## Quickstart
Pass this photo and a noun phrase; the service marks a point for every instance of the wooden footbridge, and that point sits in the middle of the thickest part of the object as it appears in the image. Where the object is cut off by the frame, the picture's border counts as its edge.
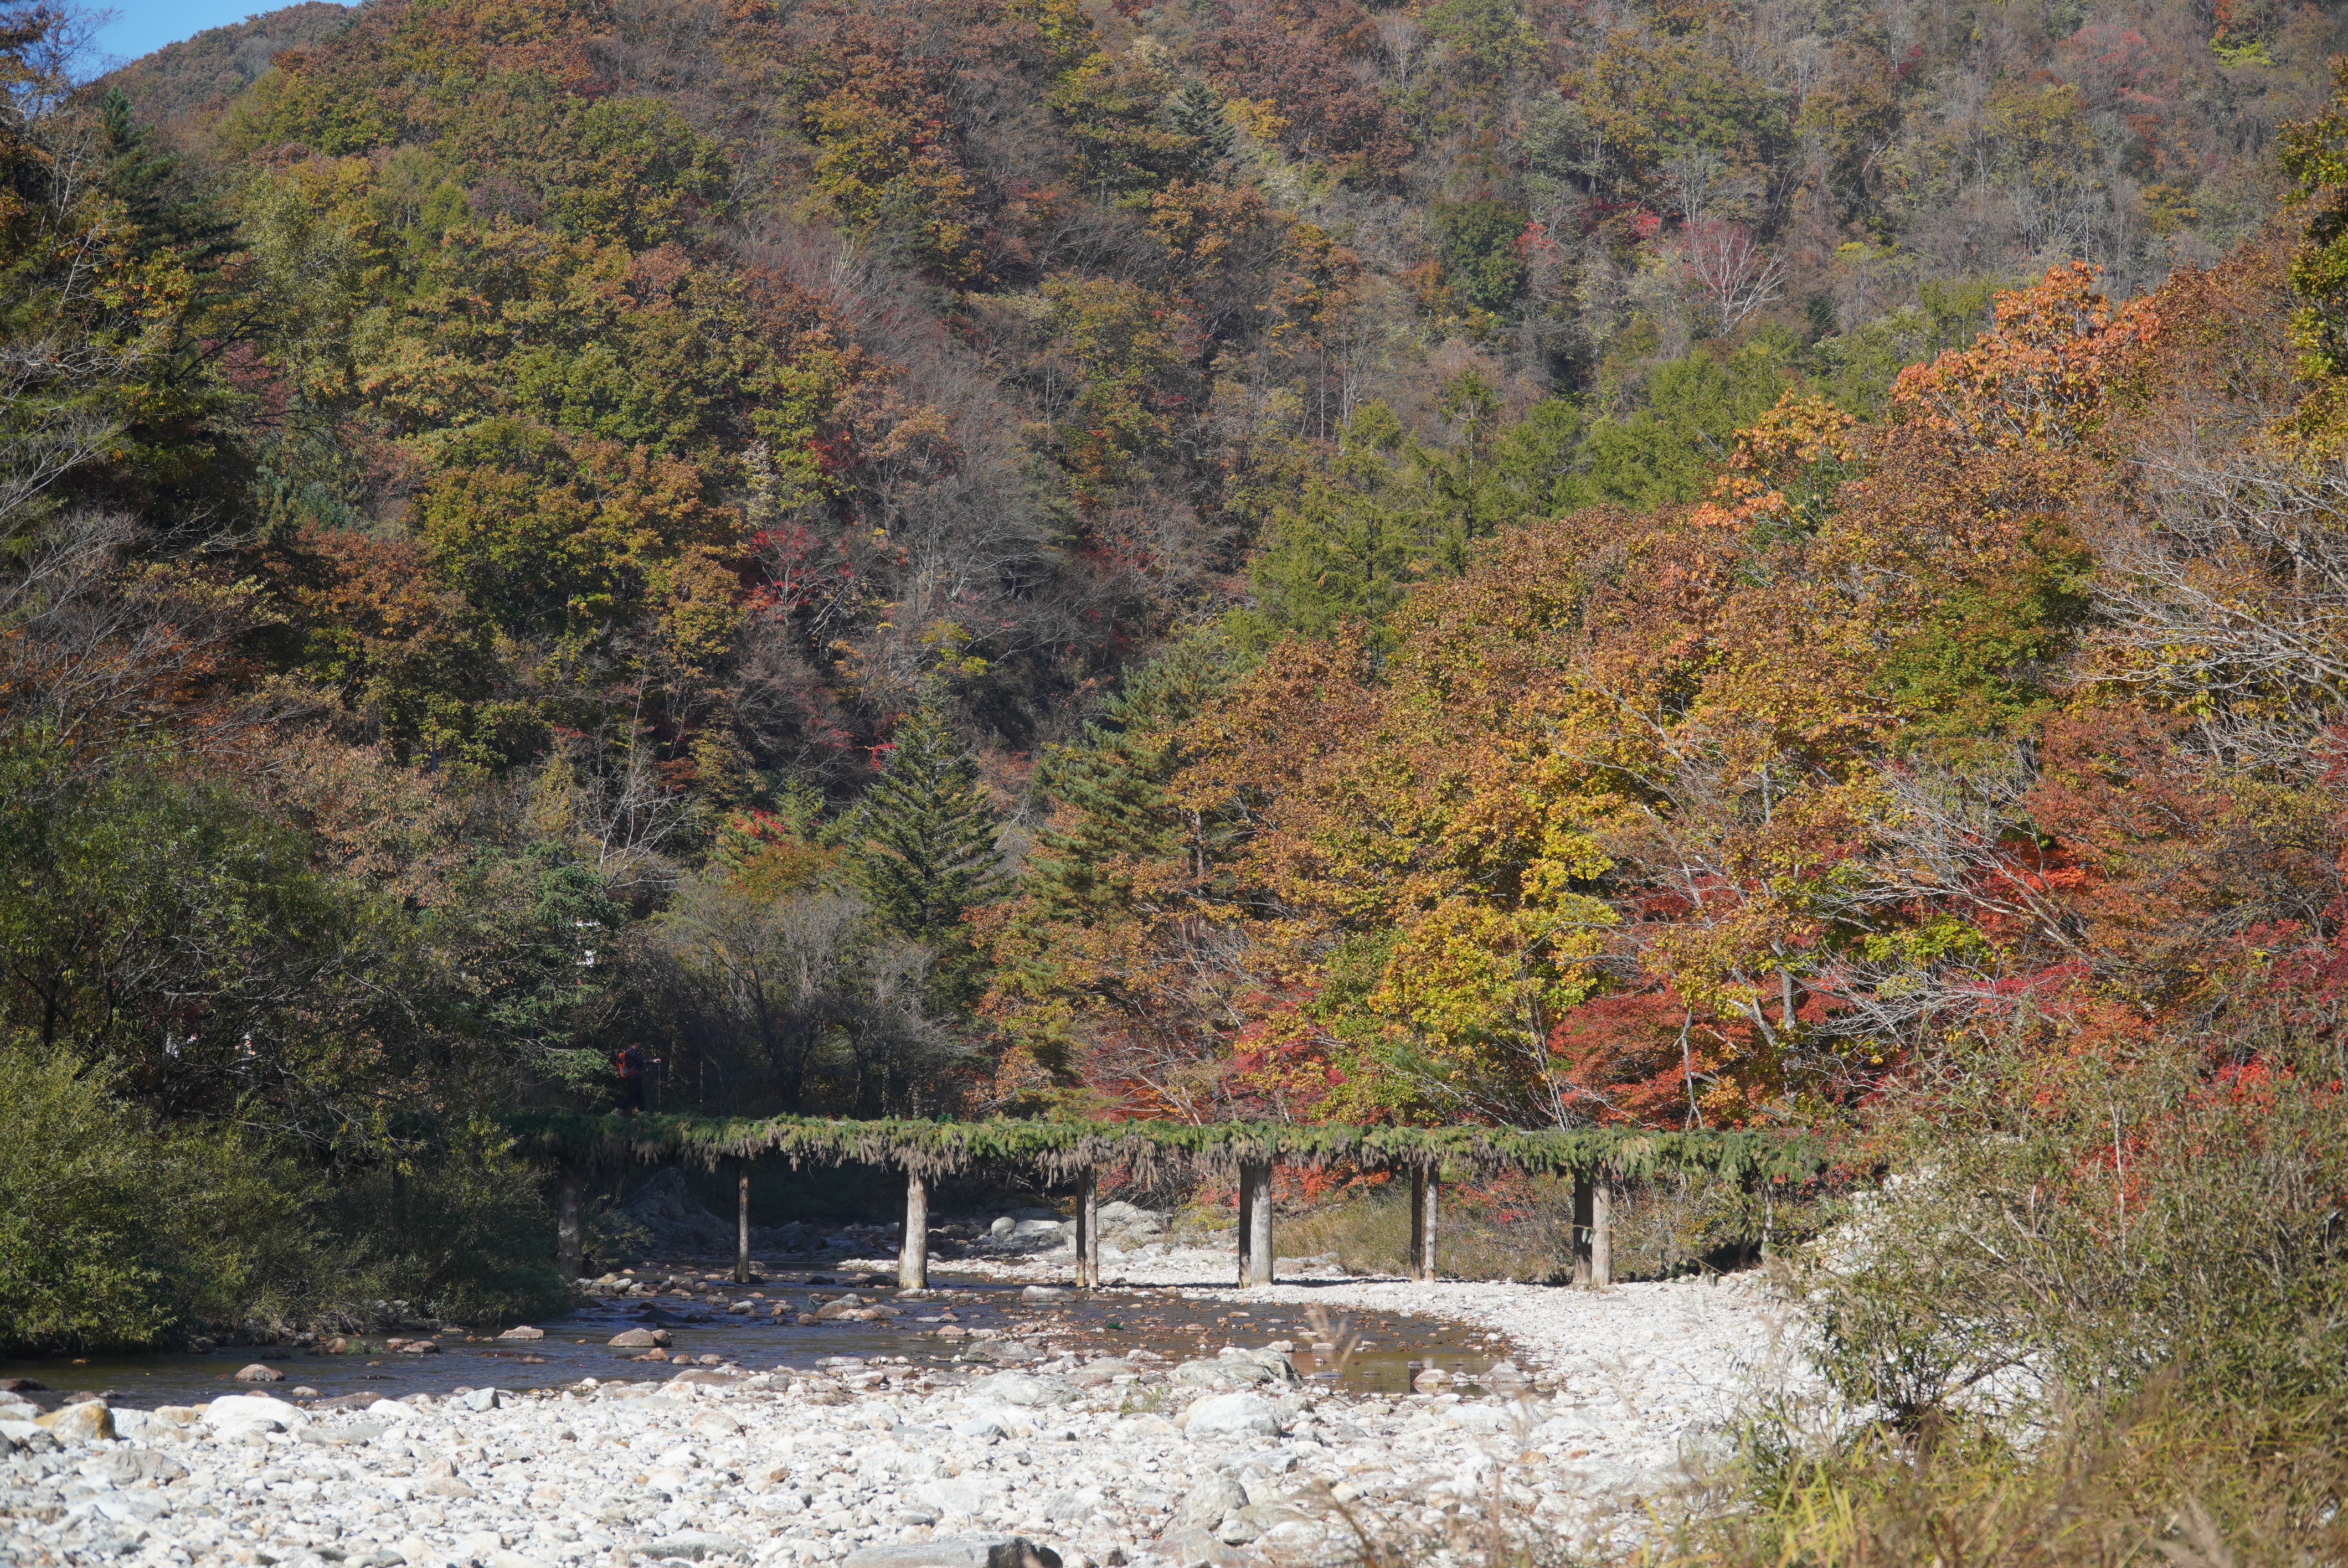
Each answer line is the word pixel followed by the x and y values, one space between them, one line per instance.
pixel 1078 1152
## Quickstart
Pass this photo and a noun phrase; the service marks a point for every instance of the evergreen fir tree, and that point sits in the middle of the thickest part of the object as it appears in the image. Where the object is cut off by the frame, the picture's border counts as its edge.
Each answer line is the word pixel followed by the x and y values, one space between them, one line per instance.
pixel 923 839
pixel 1116 776
pixel 1197 112
pixel 148 183
pixel 1113 814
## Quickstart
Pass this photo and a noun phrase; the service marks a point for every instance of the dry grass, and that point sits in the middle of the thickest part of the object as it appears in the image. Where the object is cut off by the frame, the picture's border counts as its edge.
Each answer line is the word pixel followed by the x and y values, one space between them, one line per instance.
pixel 2155 1483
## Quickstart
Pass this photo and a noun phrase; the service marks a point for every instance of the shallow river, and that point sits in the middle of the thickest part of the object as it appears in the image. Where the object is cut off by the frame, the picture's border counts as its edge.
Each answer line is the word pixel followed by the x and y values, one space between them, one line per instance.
pixel 1104 1322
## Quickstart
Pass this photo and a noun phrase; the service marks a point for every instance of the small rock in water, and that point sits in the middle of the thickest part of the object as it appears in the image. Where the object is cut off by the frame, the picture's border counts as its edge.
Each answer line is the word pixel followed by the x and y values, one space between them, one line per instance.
pixel 524 1331
pixel 635 1338
pixel 259 1372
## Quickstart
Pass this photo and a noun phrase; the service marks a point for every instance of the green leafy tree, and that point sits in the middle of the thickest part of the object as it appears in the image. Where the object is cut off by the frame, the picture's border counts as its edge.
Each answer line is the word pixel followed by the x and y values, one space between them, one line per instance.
pixel 1667 451
pixel 1477 243
pixel 643 175
pixel 1110 106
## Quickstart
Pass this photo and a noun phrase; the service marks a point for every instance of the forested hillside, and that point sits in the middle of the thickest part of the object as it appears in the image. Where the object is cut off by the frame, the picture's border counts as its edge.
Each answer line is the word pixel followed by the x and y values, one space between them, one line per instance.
pixel 1537 562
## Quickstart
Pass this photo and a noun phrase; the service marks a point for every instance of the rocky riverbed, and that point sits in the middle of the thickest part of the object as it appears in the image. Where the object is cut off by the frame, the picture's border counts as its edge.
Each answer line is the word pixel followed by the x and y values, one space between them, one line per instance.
pixel 1229 1456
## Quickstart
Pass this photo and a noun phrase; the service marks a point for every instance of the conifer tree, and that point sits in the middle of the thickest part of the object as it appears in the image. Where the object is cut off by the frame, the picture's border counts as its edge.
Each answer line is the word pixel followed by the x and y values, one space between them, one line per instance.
pixel 1197 112
pixel 923 839
pixel 148 180
pixel 1115 779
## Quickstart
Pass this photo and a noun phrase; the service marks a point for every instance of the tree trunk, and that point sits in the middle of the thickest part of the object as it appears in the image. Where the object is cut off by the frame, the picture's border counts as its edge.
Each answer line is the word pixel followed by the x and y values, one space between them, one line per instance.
pixel 1257 1176
pixel 914 1255
pixel 1088 1270
pixel 569 1233
pixel 742 1223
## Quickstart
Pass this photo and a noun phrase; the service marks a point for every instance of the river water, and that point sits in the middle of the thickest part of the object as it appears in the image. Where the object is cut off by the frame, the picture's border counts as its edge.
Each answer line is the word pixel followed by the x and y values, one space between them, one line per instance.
pixel 1104 1322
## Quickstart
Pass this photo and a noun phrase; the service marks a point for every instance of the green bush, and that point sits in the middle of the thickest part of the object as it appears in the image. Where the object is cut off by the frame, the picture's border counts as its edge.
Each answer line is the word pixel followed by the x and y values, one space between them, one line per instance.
pixel 76 1221
pixel 118 1236
pixel 2099 1315
pixel 113 1235
pixel 463 1234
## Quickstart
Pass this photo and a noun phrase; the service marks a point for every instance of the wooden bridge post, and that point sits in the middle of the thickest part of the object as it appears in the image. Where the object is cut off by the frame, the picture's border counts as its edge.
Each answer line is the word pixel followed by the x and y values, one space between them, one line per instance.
pixel 742 1220
pixel 1255 1178
pixel 1426 1185
pixel 1601 1233
pixel 1247 1220
pixel 1417 1222
pixel 570 1232
pixel 1088 1262
pixel 913 1250
pixel 1594 1228
pixel 1584 1205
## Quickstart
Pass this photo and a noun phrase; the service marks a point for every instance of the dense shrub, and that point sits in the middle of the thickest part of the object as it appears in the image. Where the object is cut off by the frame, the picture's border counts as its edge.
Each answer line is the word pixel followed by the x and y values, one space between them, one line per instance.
pixel 2098 1315
pixel 112 1234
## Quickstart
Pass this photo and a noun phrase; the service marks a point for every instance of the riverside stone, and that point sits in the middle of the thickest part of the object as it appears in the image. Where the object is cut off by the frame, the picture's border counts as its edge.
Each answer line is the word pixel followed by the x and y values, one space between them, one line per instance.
pixel 1232 1415
pixel 1210 1501
pixel 695 1547
pixel 960 1551
pixel 87 1422
pixel 802 1471
pixel 245 1409
pixel 259 1372
pixel 29 1436
pixel 1023 1388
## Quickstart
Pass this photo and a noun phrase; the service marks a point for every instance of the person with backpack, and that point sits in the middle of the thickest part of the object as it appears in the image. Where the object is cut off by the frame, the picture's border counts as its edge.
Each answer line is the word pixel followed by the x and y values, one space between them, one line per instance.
pixel 632 1077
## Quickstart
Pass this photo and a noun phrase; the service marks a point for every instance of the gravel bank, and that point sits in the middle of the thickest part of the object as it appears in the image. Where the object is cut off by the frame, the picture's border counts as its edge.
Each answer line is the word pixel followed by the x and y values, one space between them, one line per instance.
pixel 1227 1458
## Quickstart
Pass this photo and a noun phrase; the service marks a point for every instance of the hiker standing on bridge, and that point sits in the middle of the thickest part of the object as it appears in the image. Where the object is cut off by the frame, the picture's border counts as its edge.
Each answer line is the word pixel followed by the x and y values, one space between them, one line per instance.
pixel 632 1077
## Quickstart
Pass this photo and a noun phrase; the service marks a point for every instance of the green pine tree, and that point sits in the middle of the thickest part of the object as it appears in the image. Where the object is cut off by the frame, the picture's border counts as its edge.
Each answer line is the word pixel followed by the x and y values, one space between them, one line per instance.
pixel 923 841
pixel 1115 777
pixel 1197 112
pixel 148 180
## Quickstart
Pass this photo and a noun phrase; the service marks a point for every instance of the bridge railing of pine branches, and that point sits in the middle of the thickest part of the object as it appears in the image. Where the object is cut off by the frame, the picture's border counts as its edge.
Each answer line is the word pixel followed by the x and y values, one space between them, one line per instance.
pixel 1596 1158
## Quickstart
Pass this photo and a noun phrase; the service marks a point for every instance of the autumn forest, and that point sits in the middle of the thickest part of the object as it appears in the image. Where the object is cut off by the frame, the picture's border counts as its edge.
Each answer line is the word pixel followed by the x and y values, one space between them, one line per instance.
pixel 1654 563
